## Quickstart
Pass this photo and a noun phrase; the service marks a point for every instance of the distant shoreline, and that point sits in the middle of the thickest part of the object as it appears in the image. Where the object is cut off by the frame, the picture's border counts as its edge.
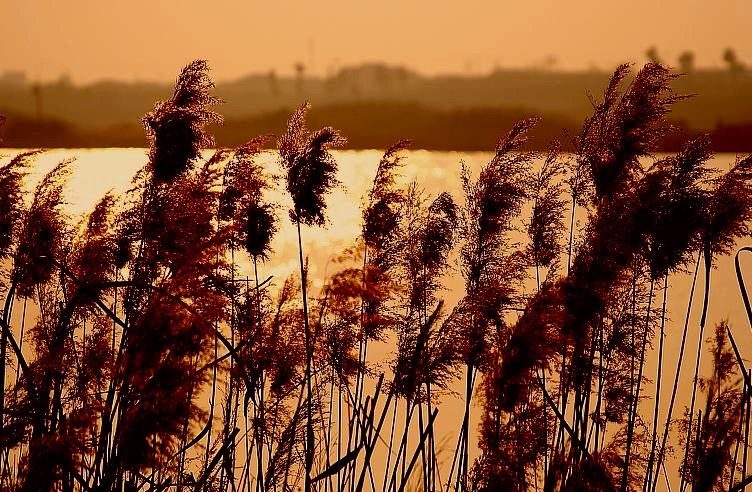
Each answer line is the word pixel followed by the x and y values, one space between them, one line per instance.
pixel 375 106
pixel 366 126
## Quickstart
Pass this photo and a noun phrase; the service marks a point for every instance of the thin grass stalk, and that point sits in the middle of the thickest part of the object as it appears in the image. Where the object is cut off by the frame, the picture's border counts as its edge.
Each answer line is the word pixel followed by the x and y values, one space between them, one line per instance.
pixel 370 442
pixel 212 401
pixel 245 479
pixel 748 399
pixel 636 395
pixel 588 388
pixel 575 439
pixel 213 397
pixel 739 438
pixel 318 386
pixel 545 433
pixel 545 412
pixel 424 461
pixel 362 348
pixel 391 444
pixel 576 417
pixel 328 485
pixel 463 452
pixel 421 445
pixel 354 435
pixel 653 443
pixel 3 351
pixel 406 435
pixel 6 465
pixel 402 450
pixel 679 360
pixel 245 475
pixel 339 432
pixel 564 426
pixel 20 340
pixel 577 412
pixel 114 310
pixel 698 445
pixel 347 471
pixel 432 466
pixel 746 434
pixel 562 397
pixel 632 336
pixel 571 228
pixel 309 355
pixel 585 410
pixel 3 358
pixel 740 280
pixel 229 415
pixel 249 443
pixel 436 469
pixel 262 409
pixel 561 404
pixel 294 427
pixel 455 459
pixel 369 438
pixel 599 398
pixel 706 297
pixel 186 425
pixel 567 375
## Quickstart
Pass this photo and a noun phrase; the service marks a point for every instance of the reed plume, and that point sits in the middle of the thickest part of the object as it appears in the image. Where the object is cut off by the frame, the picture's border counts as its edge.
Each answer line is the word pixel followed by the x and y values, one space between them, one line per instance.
pixel 12 177
pixel 380 217
pixel 310 168
pixel 547 216
pixel 176 127
pixel 41 233
pixel 491 267
pixel 242 200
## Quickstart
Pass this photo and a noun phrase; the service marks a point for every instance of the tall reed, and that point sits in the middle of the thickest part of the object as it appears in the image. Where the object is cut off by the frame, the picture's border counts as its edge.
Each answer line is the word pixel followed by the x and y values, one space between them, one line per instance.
pixel 311 174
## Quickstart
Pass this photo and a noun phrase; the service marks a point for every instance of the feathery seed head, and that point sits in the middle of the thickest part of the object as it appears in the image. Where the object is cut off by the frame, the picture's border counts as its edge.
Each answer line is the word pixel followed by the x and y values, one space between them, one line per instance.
pixel 310 167
pixel 176 127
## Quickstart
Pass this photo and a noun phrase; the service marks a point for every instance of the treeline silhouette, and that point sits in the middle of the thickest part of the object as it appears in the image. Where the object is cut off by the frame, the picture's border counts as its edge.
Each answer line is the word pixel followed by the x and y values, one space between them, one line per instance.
pixel 368 125
pixel 358 99
pixel 143 314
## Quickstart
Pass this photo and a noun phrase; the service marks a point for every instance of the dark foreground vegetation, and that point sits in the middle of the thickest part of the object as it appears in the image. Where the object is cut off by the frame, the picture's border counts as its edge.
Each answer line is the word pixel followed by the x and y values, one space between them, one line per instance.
pixel 144 316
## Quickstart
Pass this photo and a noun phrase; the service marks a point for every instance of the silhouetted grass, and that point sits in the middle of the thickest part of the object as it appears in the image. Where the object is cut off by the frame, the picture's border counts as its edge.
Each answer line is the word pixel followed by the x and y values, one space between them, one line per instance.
pixel 145 315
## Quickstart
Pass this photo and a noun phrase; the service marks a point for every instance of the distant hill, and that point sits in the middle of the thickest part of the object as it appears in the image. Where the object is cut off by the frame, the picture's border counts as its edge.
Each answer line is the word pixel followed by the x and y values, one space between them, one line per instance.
pixel 373 104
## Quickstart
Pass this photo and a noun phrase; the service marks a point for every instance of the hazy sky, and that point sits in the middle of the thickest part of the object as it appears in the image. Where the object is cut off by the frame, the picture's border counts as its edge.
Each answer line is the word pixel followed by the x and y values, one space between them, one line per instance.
pixel 152 39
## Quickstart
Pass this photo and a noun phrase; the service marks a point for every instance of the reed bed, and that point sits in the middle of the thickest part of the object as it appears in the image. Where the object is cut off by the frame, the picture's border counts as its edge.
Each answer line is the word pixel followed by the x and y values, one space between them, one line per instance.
pixel 156 364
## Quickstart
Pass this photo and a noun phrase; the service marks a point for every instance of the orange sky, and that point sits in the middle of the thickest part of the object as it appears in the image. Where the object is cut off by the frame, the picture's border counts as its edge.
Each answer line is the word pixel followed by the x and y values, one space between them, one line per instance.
pixel 152 39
